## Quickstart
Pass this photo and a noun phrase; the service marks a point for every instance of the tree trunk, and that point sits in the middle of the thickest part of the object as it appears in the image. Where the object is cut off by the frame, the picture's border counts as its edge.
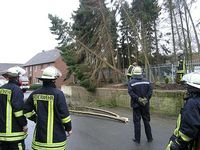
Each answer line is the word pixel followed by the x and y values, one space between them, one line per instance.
pixel 183 32
pixel 156 39
pixel 172 27
pixel 177 30
pixel 195 32
pixel 189 42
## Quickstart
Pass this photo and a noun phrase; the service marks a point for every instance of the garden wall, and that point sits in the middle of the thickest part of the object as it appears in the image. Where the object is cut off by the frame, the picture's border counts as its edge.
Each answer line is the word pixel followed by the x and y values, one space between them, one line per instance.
pixel 162 101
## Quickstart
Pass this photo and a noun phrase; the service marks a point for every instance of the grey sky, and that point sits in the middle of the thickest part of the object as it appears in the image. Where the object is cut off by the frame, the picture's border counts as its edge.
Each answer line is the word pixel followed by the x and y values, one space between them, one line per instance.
pixel 24 27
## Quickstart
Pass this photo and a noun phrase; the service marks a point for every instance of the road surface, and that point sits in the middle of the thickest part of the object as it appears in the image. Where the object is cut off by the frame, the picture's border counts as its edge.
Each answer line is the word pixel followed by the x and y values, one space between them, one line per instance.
pixel 93 133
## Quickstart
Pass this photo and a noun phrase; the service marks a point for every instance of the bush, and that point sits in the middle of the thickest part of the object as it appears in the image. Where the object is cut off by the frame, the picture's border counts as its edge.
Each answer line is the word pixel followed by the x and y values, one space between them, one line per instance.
pixel 88 85
pixel 35 86
pixel 166 80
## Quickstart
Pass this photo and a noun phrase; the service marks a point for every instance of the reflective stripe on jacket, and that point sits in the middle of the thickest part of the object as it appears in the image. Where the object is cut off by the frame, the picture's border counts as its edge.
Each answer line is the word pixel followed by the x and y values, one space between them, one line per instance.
pixel 139 87
pixel 130 70
pixel 12 119
pixel 47 106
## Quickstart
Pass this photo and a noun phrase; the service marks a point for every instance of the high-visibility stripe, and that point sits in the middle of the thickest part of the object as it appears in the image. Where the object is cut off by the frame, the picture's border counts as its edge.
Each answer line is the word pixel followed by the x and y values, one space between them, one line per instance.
pixel 2 134
pixel 66 120
pixel 20 146
pixel 45 148
pixel 168 146
pixel 29 114
pixel 185 137
pixel 5 91
pixel 18 113
pixel 13 136
pixel 176 133
pixel 139 83
pixel 8 92
pixel 57 144
pixel 35 103
pixel 50 121
pixel 8 110
pixel 50 117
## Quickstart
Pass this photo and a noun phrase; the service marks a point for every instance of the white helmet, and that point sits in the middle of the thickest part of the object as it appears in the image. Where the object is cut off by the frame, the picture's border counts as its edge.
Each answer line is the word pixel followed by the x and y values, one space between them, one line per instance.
pixel 192 79
pixel 137 71
pixel 50 73
pixel 14 72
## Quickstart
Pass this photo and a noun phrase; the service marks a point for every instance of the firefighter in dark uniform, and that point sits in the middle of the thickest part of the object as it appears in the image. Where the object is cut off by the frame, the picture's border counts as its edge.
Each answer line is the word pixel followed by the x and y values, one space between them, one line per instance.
pixel 48 109
pixel 130 69
pixel 13 124
pixel 187 131
pixel 140 91
pixel 181 69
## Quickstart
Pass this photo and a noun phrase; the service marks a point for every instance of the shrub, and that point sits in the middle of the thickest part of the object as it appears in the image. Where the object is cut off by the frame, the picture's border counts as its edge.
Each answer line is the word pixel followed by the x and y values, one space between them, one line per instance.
pixel 88 85
pixel 35 86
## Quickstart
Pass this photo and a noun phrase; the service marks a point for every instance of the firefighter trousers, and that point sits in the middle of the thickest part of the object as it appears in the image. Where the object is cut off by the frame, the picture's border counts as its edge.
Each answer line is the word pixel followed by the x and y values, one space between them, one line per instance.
pixel 138 113
pixel 12 145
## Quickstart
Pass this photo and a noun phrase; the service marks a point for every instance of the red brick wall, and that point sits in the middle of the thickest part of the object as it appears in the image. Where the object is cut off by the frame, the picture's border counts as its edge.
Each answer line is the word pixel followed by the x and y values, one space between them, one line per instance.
pixel 60 64
pixel 36 71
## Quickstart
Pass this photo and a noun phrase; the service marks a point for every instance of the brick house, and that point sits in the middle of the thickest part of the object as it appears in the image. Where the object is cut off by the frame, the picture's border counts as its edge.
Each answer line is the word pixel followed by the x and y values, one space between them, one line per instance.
pixel 42 60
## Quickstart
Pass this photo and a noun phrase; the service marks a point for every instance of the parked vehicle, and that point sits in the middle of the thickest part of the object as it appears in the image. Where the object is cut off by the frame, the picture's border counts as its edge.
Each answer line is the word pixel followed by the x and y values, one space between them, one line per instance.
pixel 3 81
pixel 24 81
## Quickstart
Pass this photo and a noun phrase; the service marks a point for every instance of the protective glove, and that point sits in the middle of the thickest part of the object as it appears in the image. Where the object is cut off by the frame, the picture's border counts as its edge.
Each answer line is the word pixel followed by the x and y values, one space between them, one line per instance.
pixel 142 101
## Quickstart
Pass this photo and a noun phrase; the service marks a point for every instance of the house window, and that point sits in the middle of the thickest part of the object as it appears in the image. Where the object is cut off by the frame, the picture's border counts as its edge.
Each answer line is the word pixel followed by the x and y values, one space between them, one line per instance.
pixel 30 69
pixel 35 68
pixel 41 66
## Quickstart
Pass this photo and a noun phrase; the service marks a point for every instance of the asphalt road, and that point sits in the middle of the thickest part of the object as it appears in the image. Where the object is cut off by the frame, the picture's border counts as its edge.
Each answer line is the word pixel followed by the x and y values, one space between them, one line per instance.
pixel 91 133
pixel 94 133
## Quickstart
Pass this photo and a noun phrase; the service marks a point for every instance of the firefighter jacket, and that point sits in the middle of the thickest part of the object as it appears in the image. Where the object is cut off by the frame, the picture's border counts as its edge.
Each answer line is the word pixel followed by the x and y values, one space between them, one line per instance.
pixel 12 119
pixel 47 107
pixel 130 71
pixel 188 124
pixel 139 87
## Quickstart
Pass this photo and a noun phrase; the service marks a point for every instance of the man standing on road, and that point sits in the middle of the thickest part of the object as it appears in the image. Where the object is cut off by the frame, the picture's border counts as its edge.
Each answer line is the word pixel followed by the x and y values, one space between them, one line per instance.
pixel 47 107
pixel 13 129
pixel 187 132
pixel 140 91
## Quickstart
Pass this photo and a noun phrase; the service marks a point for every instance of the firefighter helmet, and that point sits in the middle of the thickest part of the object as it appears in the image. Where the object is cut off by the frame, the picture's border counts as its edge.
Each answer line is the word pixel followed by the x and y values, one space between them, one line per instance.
pixel 192 79
pixel 50 73
pixel 14 72
pixel 137 71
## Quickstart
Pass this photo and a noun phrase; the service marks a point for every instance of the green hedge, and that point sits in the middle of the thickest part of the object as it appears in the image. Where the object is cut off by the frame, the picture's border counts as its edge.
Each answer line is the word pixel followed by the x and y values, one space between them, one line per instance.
pixel 35 86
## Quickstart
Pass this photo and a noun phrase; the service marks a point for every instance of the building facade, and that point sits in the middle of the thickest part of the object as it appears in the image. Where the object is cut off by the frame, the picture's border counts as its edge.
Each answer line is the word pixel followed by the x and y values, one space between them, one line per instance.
pixel 37 63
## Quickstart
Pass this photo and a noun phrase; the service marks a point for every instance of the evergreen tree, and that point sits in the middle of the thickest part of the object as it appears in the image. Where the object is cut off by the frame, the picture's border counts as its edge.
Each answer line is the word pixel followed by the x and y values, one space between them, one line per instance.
pixel 146 12
pixel 128 42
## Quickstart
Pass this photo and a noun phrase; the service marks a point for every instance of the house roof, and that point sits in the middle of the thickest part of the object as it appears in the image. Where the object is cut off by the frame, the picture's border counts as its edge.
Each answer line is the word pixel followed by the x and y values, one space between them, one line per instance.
pixel 44 57
pixel 5 66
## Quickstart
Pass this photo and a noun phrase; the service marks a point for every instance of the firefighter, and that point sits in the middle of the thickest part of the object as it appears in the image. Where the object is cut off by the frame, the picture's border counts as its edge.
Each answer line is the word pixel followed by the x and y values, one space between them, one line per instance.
pixel 130 69
pixel 48 109
pixel 181 69
pixel 187 131
pixel 13 124
pixel 140 91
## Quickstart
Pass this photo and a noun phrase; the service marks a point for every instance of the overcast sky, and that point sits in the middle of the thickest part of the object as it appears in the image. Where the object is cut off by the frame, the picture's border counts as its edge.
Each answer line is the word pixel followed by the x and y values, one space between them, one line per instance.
pixel 24 27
